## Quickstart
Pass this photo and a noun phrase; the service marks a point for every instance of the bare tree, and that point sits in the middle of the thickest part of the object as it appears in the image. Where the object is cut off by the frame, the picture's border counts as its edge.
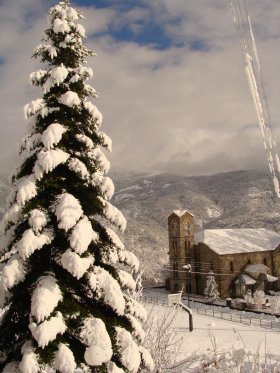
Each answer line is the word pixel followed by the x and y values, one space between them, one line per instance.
pixel 161 338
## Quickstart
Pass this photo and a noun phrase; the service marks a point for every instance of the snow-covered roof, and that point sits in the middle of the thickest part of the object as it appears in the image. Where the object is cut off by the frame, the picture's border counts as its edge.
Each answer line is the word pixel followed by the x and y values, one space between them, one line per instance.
pixel 181 212
pixel 245 279
pixel 271 278
pixel 233 241
pixel 260 272
pixel 256 268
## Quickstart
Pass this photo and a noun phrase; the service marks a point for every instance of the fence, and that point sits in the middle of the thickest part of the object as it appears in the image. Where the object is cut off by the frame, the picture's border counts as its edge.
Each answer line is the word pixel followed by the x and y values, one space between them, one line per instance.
pixel 234 317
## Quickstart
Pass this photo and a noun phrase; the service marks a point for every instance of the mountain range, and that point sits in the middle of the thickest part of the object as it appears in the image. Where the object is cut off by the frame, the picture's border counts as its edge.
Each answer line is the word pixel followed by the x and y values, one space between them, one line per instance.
pixel 241 199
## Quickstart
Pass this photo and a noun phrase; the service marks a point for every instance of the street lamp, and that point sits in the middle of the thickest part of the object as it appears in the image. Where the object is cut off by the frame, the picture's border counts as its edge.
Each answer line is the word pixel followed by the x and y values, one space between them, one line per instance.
pixel 188 268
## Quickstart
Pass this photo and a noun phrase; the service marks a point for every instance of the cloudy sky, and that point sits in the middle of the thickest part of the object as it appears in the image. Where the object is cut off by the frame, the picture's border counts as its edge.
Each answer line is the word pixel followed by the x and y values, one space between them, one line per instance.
pixel 173 91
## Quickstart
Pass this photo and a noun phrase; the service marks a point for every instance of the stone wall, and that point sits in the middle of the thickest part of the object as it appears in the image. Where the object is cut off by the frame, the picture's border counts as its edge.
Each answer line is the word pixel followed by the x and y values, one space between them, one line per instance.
pixel 206 260
pixel 276 266
pixel 229 267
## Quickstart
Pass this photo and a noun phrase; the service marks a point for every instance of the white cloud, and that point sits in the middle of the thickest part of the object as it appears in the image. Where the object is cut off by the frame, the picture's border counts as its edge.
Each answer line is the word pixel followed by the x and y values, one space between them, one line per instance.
pixel 175 109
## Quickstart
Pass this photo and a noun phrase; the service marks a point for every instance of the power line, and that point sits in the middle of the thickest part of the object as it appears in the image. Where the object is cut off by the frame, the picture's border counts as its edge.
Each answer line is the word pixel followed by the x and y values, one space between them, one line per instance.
pixel 203 273
pixel 253 72
pixel 206 265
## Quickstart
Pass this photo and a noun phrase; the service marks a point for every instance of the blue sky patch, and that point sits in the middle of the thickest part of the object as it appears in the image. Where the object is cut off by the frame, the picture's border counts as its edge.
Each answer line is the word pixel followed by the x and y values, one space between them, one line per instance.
pixel 99 4
pixel 146 34
pixel 144 31
pixel 198 45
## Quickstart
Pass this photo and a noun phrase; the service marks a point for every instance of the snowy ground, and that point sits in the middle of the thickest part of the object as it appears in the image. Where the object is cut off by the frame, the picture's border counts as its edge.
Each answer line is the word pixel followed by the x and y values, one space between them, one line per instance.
pixel 226 333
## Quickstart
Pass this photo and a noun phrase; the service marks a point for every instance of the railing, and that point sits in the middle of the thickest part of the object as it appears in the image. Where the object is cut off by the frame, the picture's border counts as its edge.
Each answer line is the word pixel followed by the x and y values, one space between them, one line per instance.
pixel 161 302
pixel 234 317
pixel 149 284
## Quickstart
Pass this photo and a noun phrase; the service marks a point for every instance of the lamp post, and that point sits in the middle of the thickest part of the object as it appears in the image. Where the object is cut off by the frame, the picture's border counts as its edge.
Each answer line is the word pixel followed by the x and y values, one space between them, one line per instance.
pixel 188 268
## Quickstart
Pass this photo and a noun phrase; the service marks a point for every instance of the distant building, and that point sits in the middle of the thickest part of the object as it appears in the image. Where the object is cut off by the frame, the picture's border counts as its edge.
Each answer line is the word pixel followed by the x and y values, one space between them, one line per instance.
pixel 241 259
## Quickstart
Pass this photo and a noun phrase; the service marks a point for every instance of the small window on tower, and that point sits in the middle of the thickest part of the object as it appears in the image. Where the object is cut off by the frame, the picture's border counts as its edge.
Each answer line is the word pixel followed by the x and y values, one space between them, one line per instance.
pixel 175 270
pixel 187 250
pixel 231 267
pixel 174 247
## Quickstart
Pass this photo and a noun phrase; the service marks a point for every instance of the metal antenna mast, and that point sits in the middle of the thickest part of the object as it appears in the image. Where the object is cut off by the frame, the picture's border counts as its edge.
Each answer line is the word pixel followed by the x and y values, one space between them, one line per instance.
pixel 252 66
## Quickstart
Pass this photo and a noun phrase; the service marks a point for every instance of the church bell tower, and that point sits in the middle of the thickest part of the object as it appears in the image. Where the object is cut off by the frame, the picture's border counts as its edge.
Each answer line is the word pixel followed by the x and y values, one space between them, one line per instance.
pixel 181 251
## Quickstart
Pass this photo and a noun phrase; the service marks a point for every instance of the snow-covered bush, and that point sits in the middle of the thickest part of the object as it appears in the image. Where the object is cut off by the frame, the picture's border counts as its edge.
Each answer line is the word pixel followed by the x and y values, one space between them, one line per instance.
pixel 275 304
pixel 233 360
pixel 248 297
pixel 259 298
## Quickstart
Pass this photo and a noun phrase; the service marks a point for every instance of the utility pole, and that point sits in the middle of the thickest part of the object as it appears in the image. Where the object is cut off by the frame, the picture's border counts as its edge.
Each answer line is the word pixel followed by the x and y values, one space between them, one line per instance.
pixel 188 269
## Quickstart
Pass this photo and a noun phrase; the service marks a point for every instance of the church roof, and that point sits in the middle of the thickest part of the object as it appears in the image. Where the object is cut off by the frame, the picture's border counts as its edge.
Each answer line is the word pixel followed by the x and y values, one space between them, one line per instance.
pixel 181 212
pixel 234 241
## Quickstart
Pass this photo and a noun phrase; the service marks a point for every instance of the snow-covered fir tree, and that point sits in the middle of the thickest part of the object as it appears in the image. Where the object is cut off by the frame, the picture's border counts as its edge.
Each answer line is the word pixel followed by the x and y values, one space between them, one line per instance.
pixel 66 288
pixel 211 290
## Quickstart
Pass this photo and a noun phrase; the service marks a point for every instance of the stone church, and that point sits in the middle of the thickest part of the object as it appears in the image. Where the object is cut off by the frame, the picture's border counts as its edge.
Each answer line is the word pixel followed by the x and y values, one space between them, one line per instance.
pixel 240 259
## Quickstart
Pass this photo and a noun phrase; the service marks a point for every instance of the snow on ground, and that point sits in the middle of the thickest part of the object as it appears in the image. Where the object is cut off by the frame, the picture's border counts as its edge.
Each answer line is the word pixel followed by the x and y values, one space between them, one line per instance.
pixel 166 186
pixel 213 212
pixel 133 187
pixel 255 192
pixel 226 333
pixel 147 182
pixel 121 197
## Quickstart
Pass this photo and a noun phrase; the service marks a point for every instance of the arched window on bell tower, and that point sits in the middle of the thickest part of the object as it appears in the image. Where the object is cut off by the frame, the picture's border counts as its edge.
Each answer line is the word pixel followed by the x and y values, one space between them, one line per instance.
pixel 175 270
pixel 187 251
pixel 174 248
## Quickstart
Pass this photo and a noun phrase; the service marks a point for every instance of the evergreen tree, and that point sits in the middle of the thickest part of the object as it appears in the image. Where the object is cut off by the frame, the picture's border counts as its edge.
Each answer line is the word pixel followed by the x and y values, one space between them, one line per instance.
pixel 66 288
pixel 211 290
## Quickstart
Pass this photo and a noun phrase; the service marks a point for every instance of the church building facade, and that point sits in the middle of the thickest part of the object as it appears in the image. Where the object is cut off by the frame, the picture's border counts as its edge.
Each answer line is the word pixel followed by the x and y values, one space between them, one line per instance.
pixel 240 259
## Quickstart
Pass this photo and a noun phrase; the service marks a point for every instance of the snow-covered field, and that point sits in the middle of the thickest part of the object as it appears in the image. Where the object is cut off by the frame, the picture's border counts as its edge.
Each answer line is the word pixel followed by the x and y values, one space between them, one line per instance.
pixel 226 333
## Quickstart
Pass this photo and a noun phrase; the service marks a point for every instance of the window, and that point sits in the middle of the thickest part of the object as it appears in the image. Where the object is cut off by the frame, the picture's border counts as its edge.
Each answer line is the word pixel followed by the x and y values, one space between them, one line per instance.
pixel 174 247
pixel 188 287
pixel 187 228
pixel 187 251
pixel 175 270
pixel 265 261
pixel 174 228
pixel 231 267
